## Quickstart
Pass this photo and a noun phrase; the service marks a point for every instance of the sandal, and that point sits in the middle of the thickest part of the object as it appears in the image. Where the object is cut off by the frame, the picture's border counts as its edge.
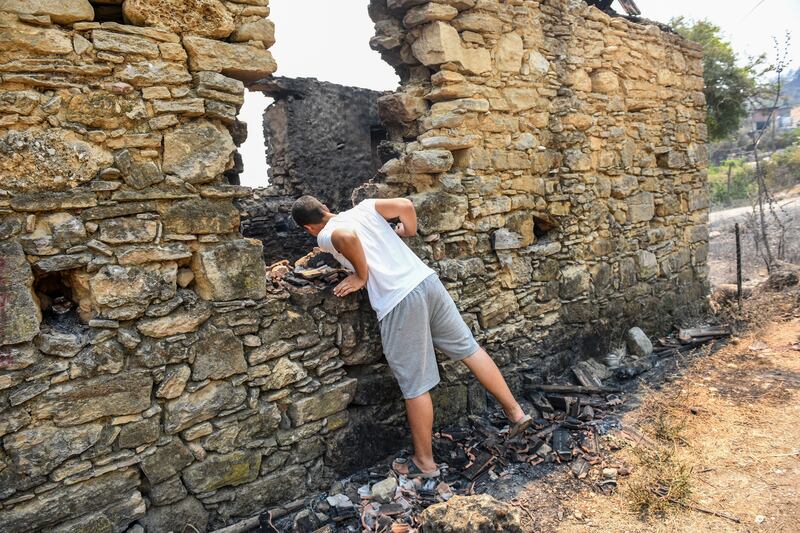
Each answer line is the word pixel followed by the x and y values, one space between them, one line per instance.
pixel 408 468
pixel 519 426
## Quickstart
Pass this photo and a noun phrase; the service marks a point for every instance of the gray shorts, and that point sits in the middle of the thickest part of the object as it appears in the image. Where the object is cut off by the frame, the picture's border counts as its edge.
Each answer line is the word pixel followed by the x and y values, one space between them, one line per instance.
pixel 425 319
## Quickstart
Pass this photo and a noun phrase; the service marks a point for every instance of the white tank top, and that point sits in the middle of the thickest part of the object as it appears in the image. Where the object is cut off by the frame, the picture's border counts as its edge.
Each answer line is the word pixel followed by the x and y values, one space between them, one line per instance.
pixel 394 270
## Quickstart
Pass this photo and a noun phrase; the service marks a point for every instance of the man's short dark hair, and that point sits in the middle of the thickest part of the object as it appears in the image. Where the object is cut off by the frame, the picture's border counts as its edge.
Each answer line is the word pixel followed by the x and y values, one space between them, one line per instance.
pixel 307 210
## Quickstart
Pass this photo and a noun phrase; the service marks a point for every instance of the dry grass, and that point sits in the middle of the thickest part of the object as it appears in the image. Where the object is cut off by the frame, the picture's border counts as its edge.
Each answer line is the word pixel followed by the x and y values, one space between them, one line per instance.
pixel 660 483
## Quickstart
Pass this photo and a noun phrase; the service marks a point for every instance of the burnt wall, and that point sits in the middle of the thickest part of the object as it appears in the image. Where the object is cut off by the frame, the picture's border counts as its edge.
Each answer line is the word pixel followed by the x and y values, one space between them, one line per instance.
pixel 321 140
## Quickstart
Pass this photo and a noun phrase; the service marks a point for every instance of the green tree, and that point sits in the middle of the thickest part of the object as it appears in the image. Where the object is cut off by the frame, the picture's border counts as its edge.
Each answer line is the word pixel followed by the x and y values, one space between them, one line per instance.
pixel 728 86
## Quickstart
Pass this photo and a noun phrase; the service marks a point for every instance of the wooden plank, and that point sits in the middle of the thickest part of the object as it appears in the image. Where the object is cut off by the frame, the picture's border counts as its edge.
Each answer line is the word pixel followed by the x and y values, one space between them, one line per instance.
pixel 576 389
pixel 586 376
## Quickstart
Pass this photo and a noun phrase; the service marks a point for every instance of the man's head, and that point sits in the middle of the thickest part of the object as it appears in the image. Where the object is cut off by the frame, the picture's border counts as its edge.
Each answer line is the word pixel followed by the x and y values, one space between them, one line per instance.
pixel 309 213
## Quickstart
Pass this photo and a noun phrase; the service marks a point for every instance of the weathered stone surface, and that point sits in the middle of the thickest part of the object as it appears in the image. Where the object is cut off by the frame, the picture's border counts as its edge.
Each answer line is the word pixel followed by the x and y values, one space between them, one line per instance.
pixel 575 281
pixel 326 401
pixel 438 43
pixel 278 375
pixel 17 357
pixel 208 18
pixel 81 401
pixel 184 320
pixel 174 383
pixel 429 13
pixel 168 492
pixel 429 161
pixel 239 61
pixel 231 270
pixel 155 72
pixel 201 216
pixel 219 471
pixel 127 230
pixel 638 343
pixel 60 344
pixel 439 211
pixel 38 450
pixel 124 44
pixel 48 160
pixel 18 306
pixel 177 517
pixel 96 494
pixel 123 292
pixel 135 434
pixel 201 405
pixel 286 484
pixel 198 151
pixel 12 420
pixel 472 514
pixel 167 461
pixel 508 53
pixel 60 12
pixel 260 30
pixel 217 354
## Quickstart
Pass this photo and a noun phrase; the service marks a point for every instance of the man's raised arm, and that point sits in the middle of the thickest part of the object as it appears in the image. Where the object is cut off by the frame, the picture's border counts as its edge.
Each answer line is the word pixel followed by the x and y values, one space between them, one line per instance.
pixel 401 208
pixel 348 244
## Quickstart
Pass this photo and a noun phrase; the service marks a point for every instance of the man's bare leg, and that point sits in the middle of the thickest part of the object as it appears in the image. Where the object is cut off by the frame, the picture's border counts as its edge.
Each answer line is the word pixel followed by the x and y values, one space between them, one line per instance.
pixel 420 419
pixel 490 377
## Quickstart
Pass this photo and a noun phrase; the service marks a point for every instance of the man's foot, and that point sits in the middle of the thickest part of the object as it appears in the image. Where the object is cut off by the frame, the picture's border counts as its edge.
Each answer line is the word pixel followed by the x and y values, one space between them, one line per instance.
pixel 520 426
pixel 410 468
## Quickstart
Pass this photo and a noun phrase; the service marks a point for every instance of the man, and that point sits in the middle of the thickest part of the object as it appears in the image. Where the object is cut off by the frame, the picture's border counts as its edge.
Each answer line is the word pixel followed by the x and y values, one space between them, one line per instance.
pixel 415 311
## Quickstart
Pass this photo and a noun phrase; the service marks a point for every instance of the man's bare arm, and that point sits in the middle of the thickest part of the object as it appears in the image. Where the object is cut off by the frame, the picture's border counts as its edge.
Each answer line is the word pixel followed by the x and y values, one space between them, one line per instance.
pixel 401 208
pixel 348 244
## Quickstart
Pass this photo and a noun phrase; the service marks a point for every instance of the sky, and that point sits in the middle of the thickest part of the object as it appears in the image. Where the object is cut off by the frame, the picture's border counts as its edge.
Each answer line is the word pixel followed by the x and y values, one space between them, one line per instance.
pixel 332 44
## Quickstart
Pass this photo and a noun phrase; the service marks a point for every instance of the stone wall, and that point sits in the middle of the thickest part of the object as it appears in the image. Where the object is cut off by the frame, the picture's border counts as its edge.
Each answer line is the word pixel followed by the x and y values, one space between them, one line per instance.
pixel 148 373
pixel 556 156
pixel 321 140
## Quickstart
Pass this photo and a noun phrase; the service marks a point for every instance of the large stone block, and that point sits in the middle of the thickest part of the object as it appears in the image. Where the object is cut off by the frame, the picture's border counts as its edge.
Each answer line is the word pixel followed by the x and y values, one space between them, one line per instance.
pixel 200 216
pixel 154 72
pixel 38 450
pixel 284 485
pixel 325 402
pixel 124 292
pixel 508 53
pixel 197 151
pixel 124 44
pixel 184 319
pixel 84 400
pixel 260 30
pixel 217 354
pixel 240 61
pixel 218 471
pixel 60 12
pixel 19 309
pixel 53 159
pixel 440 211
pixel 438 43
pixel 167 461
pixel 62 503
pixel 177 517
pixel 201 405
pixel 208 18
pixel 232 270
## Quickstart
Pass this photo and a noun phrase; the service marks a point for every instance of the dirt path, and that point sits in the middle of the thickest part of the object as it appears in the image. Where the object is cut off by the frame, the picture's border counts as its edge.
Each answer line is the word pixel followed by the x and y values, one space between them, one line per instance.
pixel 726 429
pixel 722 251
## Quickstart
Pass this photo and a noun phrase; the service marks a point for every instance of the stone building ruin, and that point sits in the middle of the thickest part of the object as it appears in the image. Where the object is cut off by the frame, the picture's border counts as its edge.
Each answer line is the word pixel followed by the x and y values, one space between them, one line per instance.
pixel 149 374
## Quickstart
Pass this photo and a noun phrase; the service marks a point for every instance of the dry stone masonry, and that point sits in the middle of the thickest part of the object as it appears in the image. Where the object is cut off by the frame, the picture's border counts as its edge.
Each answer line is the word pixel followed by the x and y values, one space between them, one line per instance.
pixel 150 375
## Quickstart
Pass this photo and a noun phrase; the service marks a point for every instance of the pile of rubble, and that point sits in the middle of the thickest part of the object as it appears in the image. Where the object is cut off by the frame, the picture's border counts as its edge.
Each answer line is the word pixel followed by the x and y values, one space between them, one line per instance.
pixel 317 268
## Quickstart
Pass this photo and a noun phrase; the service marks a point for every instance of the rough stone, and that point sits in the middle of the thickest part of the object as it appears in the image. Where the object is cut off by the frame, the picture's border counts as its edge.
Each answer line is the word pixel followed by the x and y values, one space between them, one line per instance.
pixel 81 401
pixel 16 292
pixel 219 471
pixel 260 30
pixel 201 405
pixel 231 270
pixel 472 514
pixel 60 12
pixel 239 61
pixel 175 380
pixel 184 320
pixel 217 354
pixel 197 151
pixel 167 461
pixel 168 492
pixel 208 18
pixel 286 484
pixel 638 343
pixel 138 433
pixel 38 450
pixel 326 401
pixel 177 517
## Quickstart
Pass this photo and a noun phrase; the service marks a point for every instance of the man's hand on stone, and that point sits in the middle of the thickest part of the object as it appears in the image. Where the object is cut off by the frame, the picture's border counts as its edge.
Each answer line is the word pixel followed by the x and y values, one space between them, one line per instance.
pixel 400 229
pixel 351 283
